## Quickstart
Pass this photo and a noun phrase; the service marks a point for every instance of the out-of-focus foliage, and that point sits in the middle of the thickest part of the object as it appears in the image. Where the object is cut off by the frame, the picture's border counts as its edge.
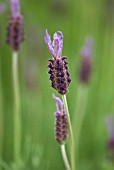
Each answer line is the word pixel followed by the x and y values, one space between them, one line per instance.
pixel 76 19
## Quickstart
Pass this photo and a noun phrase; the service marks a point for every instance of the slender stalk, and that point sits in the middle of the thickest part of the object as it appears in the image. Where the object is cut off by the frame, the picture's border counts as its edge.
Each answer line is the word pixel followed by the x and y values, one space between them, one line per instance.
pixel 17 130
pixel 72 147
pixel 65 159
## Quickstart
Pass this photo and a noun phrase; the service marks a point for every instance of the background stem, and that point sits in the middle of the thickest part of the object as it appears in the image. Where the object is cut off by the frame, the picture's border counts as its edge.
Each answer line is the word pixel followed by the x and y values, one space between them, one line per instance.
pixel 80 111
pixel 72 148
pixel 79 115
pixel 17 130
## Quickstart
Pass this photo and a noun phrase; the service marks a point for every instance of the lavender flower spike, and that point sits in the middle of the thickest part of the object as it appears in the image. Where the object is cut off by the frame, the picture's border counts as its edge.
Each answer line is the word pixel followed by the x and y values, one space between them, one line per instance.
pixel 15 33
pixel 59 76
pixel 15 7
pixel 61 122
pixel 86 63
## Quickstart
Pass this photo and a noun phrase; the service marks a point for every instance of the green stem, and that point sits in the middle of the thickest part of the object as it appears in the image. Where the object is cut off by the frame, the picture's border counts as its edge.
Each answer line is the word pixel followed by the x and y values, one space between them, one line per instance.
pixel 72 147
pixel 17 130
pixel 65 159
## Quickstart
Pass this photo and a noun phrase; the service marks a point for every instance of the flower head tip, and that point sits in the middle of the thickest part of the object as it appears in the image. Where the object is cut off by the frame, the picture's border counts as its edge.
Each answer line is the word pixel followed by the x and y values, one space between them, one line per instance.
pixel 54 47
pixel 15 7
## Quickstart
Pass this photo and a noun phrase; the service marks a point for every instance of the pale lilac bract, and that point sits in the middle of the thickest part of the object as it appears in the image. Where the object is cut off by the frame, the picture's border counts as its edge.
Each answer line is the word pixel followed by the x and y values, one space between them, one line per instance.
pixel 54 47
pixel 87 49
pixel 49 43
pixel 15 7
pixel 59 103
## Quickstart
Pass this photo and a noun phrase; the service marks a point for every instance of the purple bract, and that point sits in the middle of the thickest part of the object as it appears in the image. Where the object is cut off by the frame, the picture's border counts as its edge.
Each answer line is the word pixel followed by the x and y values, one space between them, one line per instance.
pixel 15 7
pixel 54 47
pixel 59 103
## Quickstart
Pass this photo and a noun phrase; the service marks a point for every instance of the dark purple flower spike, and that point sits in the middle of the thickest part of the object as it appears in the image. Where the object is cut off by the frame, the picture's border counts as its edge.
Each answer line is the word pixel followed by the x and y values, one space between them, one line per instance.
pixel 61 122
pixel 86 63
pixel 59 76
pixel 15 33
pixel 110 144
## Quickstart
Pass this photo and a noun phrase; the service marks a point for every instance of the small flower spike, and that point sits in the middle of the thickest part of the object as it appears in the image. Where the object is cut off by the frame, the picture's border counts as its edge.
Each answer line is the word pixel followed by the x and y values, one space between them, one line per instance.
pixel 86 63
pixel 61 122
pixel 110 144
pixel 59 76
pixel 15 33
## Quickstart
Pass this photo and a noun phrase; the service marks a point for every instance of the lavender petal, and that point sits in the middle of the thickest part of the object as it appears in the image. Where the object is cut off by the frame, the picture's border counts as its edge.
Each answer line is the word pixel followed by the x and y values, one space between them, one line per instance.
pixel 49 43
pixel 59 103
pixel 60 36
pixel 58 43
pixel 15 7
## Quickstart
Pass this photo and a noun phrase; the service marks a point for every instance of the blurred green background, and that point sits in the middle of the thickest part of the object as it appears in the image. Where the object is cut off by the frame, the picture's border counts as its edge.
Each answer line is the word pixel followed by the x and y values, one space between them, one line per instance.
pixel 76 19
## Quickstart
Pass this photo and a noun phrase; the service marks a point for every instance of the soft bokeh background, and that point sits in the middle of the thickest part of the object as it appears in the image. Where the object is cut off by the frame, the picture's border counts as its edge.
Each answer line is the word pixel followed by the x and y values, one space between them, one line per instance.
pixel 76 19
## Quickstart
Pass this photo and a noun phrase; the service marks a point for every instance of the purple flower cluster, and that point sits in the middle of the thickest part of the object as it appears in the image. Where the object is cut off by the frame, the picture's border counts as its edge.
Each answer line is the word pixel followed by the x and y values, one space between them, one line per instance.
pixel 59 76
pixel 86 63
pixel 61 122
pixel 15 33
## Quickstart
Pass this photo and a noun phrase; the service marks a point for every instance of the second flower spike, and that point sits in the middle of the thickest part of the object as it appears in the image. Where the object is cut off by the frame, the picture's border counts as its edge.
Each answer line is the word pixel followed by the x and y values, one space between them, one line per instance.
pixel 15 33
pixel 61 122
pixel 59 76
pixel 86 62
